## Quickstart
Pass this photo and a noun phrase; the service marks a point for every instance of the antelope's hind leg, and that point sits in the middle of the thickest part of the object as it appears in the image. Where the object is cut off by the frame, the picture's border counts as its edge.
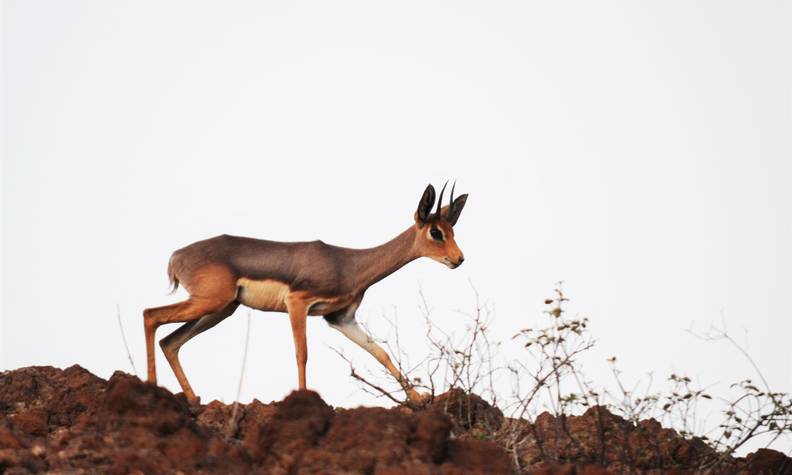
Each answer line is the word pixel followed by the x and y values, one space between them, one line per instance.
pixel 189 310
pixel 173 342
pixel 212 288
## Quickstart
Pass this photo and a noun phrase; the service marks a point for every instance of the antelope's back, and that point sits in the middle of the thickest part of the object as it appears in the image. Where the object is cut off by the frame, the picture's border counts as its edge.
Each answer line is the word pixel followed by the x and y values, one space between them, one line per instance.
pixel 300 265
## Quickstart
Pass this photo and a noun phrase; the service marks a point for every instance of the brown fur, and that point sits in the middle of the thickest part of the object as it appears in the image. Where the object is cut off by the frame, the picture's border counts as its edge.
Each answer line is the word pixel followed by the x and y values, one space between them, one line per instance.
pixel 300 278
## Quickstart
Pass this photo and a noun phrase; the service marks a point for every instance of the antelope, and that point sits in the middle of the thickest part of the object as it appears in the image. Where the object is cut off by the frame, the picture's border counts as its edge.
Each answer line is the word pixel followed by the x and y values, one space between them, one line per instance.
pixel 298 278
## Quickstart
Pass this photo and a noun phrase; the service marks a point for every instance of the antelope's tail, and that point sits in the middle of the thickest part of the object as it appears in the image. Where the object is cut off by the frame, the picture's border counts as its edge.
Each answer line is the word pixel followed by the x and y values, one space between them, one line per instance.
pixel 174 281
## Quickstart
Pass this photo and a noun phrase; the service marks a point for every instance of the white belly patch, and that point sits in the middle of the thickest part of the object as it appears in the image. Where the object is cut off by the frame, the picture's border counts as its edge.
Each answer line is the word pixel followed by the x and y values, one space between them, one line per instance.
pixel 269 295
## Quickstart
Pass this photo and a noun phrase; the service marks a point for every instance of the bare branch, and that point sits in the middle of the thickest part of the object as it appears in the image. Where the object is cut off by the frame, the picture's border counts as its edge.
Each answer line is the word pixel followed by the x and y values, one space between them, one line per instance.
pixel 123 337
pixel 232 424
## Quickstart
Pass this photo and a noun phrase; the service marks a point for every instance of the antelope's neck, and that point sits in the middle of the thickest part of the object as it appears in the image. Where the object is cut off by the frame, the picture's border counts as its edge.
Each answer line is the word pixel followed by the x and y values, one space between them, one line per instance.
pixel 369 266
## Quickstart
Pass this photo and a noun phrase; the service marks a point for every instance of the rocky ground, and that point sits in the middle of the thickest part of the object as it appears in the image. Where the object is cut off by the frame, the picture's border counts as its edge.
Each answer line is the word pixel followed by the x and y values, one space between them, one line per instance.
pixel 70 421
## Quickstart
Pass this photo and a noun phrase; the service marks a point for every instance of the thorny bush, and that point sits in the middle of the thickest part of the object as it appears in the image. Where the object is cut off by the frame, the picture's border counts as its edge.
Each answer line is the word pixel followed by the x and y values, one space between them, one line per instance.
pixel 549 378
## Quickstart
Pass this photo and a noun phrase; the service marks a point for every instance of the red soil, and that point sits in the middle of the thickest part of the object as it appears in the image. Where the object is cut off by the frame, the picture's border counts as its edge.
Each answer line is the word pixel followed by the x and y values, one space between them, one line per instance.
pixel 70 421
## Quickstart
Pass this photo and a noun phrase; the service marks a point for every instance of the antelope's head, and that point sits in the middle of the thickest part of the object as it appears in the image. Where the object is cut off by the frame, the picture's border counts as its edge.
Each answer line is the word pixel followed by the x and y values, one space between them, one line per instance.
pixel 435 231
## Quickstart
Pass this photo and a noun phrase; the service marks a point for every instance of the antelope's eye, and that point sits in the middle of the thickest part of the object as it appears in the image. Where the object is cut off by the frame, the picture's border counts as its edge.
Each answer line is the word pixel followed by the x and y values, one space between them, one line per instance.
pixel 436 234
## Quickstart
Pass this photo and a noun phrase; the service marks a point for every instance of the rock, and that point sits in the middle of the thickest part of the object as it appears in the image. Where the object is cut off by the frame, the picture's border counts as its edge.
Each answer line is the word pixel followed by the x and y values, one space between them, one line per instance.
pixel 599 440
pixel 469 411
pixel 477 456
pixel 8 440
pixel 32 422
pixel 768 461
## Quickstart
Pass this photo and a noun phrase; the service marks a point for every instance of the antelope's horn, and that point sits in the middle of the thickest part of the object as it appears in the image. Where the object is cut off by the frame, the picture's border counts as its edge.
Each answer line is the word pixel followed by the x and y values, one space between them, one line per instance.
pixel 440 200
pixel 451 204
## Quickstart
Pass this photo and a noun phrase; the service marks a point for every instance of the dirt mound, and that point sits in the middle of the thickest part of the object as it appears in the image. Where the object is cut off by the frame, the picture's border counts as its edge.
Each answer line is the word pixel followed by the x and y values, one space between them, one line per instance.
pixel 72 421
pixel 471 416
pixel 599 442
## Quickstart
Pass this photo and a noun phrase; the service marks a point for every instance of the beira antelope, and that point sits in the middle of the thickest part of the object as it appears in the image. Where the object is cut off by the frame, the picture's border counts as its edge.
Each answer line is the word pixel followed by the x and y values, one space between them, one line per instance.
pixel 299 278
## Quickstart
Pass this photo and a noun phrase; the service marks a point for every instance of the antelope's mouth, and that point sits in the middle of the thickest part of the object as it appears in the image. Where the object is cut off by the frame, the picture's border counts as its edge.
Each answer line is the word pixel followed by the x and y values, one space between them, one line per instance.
pixel 450 264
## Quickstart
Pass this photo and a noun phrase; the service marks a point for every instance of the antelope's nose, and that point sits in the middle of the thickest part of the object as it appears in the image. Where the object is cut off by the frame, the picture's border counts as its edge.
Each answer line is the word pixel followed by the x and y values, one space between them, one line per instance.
pixel 460 261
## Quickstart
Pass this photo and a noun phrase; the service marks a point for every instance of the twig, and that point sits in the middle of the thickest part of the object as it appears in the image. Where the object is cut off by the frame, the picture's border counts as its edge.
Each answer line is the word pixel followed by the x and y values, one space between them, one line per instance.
pixel 379 389
pixel 232 424
pixel 715 334
pixel 123 337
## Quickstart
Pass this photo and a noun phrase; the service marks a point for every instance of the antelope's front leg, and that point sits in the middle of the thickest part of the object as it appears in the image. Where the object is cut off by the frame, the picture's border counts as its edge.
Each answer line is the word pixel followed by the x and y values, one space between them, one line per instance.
pixel 350 329
pixel 298 314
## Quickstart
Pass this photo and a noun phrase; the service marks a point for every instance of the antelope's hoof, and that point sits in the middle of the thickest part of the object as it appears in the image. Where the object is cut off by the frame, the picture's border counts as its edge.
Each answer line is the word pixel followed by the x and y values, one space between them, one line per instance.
pixel 195 407
pixel 419 398
pixel 190 399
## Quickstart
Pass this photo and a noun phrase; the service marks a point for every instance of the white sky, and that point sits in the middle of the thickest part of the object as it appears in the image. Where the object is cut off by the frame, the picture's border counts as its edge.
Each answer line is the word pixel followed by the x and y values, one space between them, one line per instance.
pixel 639 151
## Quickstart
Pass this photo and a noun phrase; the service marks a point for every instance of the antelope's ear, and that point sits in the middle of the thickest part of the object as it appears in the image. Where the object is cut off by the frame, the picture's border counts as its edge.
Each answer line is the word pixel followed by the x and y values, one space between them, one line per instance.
pixel 455 209
pixel 425 205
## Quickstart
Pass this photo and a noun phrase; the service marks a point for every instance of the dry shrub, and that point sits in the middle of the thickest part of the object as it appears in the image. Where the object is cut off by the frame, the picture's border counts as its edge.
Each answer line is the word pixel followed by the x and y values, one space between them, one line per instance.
pixel 547 388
